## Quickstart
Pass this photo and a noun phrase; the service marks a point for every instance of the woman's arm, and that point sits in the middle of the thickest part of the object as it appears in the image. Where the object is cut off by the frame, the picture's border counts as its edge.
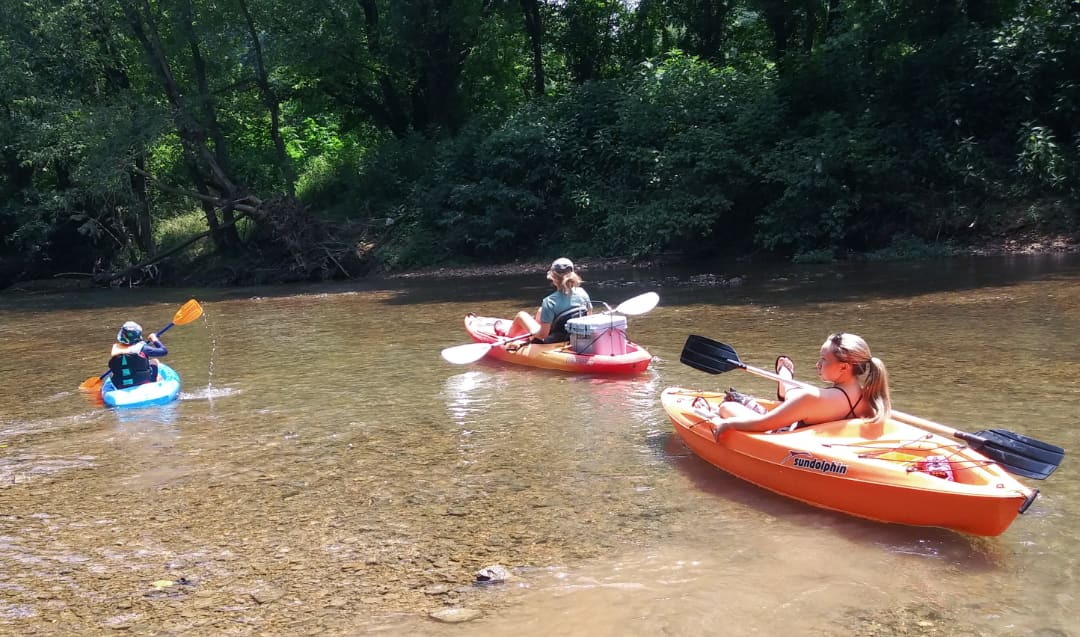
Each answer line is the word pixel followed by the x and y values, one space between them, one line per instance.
pixel 801 404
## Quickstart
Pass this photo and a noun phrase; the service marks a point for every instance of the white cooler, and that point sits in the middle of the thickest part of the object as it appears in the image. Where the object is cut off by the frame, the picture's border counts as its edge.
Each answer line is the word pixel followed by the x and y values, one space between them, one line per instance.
pixel 603 334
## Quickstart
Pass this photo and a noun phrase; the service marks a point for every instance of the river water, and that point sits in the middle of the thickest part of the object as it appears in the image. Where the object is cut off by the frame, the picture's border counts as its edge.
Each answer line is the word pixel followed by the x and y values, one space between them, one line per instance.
pixel 326 472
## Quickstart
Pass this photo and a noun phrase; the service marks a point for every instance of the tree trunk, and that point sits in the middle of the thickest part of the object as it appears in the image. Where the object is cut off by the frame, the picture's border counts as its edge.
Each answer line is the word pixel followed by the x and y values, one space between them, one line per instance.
pixel 144 226
pixel 832 17
pixel 534 29
pixel 390 111
pixel 270 98
pixel 203 166
pixel 713 22
pixel 810 27
pixel 438 66
pixel 206 97
pixel 116 77
pixel 778 21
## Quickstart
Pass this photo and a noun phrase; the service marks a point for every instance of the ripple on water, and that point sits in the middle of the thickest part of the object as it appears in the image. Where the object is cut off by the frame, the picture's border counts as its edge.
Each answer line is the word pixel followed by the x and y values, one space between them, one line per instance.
pixel 26 467
pixel 210 393
pixel 16 611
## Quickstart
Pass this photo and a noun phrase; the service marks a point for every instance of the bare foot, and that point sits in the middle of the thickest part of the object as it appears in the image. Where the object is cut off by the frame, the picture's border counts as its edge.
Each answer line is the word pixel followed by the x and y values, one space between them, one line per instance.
pixel 785 368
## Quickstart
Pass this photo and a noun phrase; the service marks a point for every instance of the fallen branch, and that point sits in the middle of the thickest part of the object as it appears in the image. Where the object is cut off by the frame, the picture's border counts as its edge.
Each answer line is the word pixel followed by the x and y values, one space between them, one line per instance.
pixel 105 278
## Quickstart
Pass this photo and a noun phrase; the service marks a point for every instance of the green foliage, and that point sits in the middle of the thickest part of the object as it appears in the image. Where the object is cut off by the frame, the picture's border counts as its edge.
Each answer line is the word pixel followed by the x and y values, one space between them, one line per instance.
pixel 836 187
pixel 810 130
pixel 905 247
pixel 633 167
pixel 355 183
pixel 1041 162
pixel 177 229
pixel 818 256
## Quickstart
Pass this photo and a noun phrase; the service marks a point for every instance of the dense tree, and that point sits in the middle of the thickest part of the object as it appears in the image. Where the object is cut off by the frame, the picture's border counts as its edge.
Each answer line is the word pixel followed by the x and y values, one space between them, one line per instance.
pixel 429 130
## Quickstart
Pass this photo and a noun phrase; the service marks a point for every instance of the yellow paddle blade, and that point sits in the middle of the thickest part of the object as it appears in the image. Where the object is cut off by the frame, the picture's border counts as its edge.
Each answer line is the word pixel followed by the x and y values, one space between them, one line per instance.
pixel 188 312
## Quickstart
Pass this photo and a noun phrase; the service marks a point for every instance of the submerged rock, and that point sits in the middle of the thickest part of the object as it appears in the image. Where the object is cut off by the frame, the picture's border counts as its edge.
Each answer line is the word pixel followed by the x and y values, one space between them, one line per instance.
pixel 494 574
pixel 456 615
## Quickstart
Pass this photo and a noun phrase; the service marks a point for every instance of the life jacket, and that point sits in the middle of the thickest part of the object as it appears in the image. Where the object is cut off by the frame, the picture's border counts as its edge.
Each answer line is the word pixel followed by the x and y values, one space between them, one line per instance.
pixel 130 366
pixel 558 333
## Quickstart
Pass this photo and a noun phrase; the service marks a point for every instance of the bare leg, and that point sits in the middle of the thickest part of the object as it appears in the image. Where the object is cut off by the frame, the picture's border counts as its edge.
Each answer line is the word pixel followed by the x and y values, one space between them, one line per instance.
pixel 523 323
pixel 729 409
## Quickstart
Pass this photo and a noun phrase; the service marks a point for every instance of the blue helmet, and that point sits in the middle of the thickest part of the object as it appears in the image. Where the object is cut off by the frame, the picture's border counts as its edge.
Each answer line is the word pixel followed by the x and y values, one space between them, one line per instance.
pixel 130 333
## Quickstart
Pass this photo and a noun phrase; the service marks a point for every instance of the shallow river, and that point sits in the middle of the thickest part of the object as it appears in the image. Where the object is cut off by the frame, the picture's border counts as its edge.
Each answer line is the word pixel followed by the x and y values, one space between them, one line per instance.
pixel 326 472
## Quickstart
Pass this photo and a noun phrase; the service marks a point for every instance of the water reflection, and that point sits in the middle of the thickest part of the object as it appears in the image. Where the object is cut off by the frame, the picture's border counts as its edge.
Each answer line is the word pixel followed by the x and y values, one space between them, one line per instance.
pixel 343 476
pixel 467 394
pixel 636 396
pixel 156 418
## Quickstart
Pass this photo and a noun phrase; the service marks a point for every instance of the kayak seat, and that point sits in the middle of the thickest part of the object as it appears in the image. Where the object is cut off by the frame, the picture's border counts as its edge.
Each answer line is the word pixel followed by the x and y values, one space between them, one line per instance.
pixel 558 332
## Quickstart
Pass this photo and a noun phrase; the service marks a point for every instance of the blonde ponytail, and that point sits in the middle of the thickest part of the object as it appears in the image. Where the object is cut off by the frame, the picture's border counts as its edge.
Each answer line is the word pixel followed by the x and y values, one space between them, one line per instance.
pixel 876 390
pixel 565 282
pixel 852 349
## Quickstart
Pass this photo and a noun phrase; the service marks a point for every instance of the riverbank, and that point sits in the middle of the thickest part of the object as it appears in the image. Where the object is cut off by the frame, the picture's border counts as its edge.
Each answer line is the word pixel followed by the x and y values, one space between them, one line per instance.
pixel 1029 243
pixel 1017 243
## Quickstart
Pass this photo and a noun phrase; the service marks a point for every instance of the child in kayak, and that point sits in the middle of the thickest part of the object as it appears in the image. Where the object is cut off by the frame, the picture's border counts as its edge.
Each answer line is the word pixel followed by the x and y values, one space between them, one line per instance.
pixel 133 360
pixel 568 301
pixel 860 389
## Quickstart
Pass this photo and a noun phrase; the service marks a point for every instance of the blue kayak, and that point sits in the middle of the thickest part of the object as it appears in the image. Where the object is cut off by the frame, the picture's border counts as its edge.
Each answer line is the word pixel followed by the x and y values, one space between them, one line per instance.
pixel 164 390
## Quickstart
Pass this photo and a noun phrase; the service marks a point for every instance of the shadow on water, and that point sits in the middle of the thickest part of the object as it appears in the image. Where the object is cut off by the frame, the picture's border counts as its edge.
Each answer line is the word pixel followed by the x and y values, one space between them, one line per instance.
pixel 682 284
pixel 723 283
pixel 974 553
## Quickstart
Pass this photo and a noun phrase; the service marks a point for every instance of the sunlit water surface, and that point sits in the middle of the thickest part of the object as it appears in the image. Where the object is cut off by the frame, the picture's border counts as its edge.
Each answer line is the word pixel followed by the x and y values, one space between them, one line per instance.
pixel 326 472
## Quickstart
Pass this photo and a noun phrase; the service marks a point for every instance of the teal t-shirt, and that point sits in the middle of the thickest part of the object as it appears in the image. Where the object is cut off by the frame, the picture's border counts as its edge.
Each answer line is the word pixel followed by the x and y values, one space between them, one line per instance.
pixel 557 302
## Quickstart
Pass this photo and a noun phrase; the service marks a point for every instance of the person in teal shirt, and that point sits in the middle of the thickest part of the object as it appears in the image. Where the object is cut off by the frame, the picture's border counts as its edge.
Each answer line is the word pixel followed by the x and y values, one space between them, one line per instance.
pixel 569 300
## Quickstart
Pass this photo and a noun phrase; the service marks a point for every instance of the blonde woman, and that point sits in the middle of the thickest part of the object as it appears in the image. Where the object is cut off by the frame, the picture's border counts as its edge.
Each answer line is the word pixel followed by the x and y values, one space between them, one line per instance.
pixel 569 300
pixel 859 389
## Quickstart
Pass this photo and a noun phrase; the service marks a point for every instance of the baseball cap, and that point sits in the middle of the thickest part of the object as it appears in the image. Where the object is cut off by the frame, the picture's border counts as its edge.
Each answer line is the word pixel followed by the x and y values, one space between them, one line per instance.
pixel 562 265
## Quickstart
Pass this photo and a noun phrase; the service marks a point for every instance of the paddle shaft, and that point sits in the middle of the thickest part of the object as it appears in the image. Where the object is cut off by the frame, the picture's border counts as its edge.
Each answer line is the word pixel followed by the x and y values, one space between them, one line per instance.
pixel 165 329
pixel 472 352
pixel 504 341
pixel 923 423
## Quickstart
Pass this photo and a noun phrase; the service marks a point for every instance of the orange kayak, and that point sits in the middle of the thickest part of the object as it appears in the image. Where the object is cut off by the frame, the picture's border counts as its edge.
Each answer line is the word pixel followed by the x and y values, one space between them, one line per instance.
pixel 893 472
pixel 560 356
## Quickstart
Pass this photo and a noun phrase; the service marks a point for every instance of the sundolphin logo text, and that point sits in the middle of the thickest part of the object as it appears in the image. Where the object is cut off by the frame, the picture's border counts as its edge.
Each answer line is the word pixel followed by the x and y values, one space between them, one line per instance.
pixel 806 460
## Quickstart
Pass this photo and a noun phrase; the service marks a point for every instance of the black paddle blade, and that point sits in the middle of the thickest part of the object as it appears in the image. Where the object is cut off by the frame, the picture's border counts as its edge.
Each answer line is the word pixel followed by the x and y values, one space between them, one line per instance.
pixel 1044 450
pixel 1016 453
pixel 1015 463
pixel 709 356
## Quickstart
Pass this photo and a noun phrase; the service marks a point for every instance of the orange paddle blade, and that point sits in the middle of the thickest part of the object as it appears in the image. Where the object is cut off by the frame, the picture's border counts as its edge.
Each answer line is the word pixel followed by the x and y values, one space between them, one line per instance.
pixel 92 384
pixel 188 312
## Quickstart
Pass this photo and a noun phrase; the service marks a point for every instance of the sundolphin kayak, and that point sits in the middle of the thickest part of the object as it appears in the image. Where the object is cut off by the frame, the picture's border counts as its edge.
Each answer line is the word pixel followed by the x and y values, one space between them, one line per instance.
pixel 892 472
pixel 164 390
pixel 619 356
